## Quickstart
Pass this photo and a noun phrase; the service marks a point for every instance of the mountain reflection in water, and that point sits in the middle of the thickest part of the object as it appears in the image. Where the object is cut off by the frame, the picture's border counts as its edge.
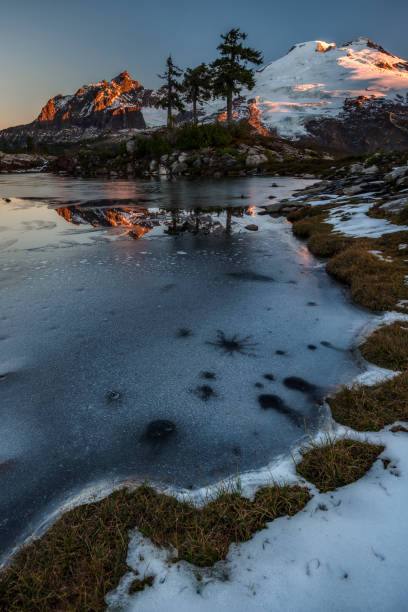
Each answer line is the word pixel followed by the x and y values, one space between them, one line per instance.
pixel 136 222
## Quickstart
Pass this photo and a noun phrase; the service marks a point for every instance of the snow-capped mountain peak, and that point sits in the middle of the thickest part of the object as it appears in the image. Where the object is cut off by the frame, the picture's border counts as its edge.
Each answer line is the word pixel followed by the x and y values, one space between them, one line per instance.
pixel 315 78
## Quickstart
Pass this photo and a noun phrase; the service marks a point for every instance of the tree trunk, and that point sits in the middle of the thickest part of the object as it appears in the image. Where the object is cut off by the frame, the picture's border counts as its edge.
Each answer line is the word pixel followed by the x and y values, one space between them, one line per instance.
pixel 195 118
pixel 169 115
pixel 229 107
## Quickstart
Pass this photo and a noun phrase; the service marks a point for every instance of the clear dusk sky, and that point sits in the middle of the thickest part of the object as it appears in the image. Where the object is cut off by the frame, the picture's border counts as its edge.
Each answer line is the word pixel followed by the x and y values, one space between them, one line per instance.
pixel 53 46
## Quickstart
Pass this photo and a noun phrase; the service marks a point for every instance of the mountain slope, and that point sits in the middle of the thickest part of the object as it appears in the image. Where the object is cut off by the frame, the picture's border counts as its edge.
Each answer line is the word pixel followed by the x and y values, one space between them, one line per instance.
pixel 315 79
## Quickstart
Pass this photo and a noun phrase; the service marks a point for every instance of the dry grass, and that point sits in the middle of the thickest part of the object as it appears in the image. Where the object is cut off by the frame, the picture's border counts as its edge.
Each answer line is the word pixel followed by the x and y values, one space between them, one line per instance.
pixel 139 584
pixel 311 224
pixel 336 462
pixel 387 346
pixel 370 408
pixel 83 555
pixel 375 284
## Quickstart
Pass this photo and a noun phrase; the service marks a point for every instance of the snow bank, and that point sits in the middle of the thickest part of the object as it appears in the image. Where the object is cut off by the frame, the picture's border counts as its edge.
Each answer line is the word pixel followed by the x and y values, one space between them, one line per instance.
pixel 344 551
pixel 352 220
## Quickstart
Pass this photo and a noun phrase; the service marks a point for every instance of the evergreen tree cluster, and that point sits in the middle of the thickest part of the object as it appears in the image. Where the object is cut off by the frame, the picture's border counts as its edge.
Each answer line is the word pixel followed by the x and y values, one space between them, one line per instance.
pixel 223 78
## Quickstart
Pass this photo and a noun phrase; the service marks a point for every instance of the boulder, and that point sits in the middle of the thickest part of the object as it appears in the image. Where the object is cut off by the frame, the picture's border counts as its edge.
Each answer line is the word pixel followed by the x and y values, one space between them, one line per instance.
pixel 131 146
pixel 396 174
pixel 356 168
pixel 227 160
pixel 371 170
pixel 252 227
pixel 353 190
pixel 274 208
pixel 395 206
pixel 255 160
pixel 179 167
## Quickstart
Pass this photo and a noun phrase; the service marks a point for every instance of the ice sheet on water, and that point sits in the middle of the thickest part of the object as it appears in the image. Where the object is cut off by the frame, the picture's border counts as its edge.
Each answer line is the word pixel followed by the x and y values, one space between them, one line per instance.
pixel 103 317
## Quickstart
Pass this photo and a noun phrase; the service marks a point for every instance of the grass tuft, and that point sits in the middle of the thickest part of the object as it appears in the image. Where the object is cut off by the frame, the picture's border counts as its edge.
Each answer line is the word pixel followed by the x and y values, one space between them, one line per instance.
pixel 370 408
pixel 373 283
pixel 336 462
pixel 387 346
pixel 83 555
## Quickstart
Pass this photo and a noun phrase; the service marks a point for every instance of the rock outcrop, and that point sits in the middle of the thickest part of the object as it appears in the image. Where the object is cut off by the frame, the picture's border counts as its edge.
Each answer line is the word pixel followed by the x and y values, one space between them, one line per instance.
pixel 92 110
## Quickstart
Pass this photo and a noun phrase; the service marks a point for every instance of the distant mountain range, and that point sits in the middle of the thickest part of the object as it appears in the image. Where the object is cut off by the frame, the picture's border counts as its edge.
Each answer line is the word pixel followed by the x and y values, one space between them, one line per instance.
pixel 352 97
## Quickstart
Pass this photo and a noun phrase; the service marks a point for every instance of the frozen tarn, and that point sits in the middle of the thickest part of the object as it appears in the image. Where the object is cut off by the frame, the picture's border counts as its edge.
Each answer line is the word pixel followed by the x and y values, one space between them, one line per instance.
pixel 101 337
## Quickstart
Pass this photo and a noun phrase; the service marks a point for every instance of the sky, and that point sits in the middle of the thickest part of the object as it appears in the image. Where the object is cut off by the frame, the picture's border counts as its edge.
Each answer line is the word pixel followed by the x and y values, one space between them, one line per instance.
pixel 52 46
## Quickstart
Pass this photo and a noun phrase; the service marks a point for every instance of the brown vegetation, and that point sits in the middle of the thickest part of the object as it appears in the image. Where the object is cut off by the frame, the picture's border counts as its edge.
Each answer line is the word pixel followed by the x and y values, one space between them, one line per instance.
pixel 336 462
pixel 83 555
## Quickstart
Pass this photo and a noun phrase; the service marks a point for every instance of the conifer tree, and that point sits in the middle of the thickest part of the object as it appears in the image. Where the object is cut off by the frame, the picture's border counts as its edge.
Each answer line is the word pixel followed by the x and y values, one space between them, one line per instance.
pixel 231 68
pixel 197 86
pixel 173 89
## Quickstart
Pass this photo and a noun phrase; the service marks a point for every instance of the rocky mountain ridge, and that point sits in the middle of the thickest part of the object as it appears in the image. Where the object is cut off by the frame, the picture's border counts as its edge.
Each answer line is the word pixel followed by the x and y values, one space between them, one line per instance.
pixel 94 109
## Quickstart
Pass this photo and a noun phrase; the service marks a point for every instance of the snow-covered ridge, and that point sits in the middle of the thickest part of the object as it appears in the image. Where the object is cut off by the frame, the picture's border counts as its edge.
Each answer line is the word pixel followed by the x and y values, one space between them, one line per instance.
pixel 314 79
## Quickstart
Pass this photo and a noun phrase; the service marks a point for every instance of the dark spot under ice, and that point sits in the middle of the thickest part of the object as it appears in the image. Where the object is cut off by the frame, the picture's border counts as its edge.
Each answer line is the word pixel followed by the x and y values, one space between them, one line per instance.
pixel 248 275
pixel 168 287
pixel 234 344
pixel 299 384
pixel 276 403
pixel 183 332
pixel 159 430
pixel 327 344
pixel 208 375
pixel 204 392
pixel 269 376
